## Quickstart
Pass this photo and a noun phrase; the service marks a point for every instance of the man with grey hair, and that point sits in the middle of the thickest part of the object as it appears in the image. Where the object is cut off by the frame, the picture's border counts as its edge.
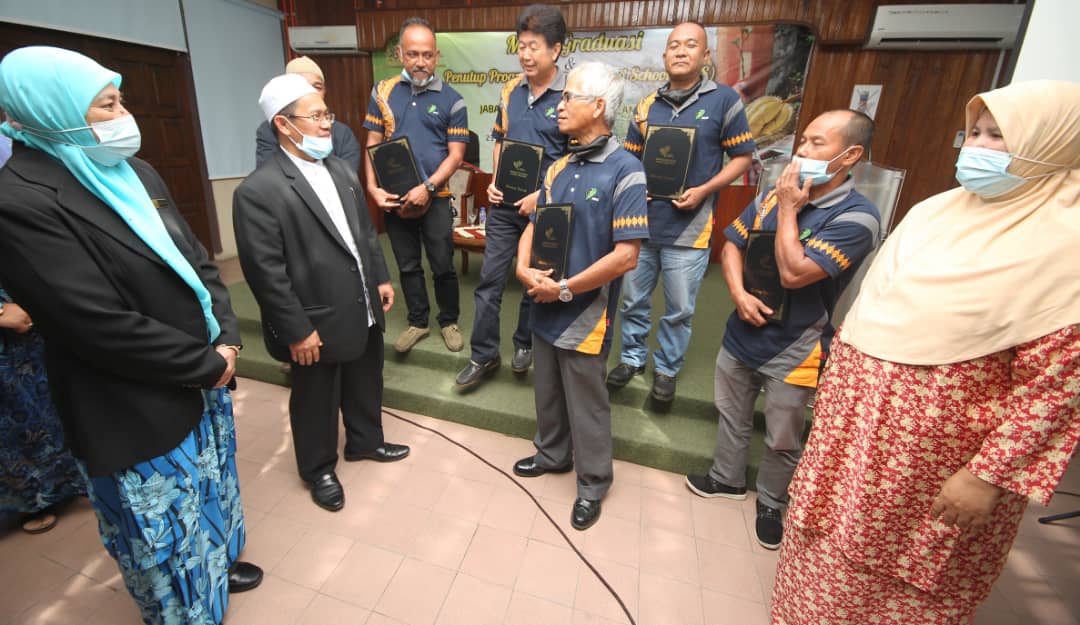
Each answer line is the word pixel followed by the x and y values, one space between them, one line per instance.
pixel 572 317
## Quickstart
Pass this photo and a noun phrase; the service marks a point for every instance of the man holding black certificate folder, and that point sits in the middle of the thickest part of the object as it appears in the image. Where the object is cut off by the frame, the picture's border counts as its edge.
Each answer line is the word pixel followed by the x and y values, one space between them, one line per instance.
pixel 525 130
pixel 587 231
pixel 810 232
pixel 702 121
pixel 418 106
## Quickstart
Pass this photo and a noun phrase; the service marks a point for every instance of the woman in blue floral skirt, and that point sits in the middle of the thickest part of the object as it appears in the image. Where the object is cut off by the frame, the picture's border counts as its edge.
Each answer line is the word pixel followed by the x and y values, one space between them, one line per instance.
pixel 36 470
pixel 141 338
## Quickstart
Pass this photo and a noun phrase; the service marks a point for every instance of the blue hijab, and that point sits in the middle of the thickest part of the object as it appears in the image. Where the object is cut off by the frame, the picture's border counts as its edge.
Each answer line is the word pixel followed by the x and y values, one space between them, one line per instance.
pixel 49 89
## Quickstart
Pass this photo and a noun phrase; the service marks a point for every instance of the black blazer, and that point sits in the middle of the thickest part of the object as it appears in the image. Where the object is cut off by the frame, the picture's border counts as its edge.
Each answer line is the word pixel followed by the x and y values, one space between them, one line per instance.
pixel 298 266
pixel 125 338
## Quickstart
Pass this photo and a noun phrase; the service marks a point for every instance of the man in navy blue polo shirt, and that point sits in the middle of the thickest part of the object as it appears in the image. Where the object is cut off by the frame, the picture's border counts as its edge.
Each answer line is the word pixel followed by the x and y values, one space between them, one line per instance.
pixel 824 228
pixel 680 231
pixel 571 319
pixel 432 115
pixel 526 113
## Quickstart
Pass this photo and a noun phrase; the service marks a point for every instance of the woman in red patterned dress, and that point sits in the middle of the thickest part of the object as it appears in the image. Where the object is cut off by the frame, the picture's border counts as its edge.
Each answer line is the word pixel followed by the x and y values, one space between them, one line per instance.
pixel 952 393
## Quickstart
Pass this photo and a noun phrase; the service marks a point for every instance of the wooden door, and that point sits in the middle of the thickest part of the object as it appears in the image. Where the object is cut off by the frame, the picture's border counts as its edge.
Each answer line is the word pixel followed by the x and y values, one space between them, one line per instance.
pixel 158 90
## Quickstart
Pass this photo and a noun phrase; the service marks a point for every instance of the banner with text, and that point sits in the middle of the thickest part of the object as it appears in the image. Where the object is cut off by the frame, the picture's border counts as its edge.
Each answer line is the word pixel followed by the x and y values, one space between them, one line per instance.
pixel 765 64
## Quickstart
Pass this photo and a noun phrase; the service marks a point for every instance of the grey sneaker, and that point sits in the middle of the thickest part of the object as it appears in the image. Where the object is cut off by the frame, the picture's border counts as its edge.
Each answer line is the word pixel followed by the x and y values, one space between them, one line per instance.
pixel 451 335
pixel 409 338
pixel 706 486
pixel 522 360
pixel 769 527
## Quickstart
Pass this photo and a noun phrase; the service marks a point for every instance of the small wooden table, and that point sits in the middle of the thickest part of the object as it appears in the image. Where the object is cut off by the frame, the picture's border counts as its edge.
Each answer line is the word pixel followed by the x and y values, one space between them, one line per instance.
pixel 469 239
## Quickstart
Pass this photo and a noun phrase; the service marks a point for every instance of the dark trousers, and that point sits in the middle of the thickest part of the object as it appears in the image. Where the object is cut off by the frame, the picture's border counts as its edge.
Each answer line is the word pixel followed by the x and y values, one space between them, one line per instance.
pixel 501 233
pixel 320 391
pixel 435 231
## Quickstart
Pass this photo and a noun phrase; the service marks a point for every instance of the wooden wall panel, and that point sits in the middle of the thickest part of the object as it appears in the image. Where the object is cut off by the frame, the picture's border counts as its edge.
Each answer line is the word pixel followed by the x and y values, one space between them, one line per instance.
pixel 923 92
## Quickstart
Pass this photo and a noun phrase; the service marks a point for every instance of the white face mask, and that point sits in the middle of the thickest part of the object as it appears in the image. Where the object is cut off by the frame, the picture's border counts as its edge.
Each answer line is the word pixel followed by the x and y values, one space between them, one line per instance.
pixel 118 139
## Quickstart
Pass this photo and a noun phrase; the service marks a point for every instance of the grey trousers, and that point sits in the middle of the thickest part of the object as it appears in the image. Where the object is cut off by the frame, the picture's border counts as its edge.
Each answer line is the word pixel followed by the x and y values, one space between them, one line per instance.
pixel 736 387
pixel 573 415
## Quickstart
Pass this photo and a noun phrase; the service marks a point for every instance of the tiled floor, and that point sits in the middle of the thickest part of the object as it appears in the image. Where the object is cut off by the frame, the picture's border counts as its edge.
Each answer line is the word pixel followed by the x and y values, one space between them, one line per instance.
pixel 442 539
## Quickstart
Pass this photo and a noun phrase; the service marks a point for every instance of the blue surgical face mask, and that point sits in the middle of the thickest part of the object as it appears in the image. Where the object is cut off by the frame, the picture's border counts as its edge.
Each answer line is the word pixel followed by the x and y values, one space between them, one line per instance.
pixel 416 83
pixel 317 148
pixel 984 172
pixel 817 171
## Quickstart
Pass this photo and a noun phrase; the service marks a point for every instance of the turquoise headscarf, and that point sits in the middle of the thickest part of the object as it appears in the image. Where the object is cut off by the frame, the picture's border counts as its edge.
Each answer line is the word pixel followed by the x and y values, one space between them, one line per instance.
pixel 49 89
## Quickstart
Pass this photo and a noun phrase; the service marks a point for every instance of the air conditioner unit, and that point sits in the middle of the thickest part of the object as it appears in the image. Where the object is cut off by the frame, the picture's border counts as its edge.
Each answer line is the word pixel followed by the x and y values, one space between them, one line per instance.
pixel 945 27
pixel 323 39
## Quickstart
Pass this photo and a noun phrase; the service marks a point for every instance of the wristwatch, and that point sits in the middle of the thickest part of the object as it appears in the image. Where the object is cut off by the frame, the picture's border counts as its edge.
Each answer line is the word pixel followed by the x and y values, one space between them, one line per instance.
pixel 565 294
pixel 430 186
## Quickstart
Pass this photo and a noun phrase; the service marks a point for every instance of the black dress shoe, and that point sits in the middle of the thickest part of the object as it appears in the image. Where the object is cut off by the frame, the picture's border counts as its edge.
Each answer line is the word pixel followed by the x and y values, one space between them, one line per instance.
pixel 244 576
pixel 474 373
pixel 327 493
pixel 585 513
pixel 522 360
pixel 527 467
pixel 388 452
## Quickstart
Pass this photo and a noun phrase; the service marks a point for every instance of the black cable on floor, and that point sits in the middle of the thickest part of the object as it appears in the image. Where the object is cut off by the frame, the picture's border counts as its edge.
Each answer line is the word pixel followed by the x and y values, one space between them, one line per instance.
pixel 580 555
pixel 1066 492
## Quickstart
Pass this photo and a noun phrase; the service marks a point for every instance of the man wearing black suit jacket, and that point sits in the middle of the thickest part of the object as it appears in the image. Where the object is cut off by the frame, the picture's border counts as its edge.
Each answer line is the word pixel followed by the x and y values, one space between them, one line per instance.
pixel 310 255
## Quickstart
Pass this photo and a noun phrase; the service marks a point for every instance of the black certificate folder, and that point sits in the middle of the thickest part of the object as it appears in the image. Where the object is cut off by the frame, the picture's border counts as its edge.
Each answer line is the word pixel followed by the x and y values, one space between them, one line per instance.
pixel 666 158
pixel 519 170
pixel 761 275
pixel 395 169
pixel 551 238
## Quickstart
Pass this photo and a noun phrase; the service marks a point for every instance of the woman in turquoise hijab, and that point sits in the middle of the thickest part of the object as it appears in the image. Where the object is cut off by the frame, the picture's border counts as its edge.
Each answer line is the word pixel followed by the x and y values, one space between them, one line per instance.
pixel 141 339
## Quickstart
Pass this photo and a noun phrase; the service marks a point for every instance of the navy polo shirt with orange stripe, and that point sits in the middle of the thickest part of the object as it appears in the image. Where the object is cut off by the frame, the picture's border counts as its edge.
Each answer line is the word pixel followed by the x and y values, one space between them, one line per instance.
pixel 716 112
pixel 532 120
pixel 431 118
pixel 837 231
pixel 607 189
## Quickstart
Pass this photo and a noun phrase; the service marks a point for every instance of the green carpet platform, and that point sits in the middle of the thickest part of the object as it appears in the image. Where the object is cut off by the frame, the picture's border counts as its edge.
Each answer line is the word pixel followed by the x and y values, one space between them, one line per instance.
pixel 676 437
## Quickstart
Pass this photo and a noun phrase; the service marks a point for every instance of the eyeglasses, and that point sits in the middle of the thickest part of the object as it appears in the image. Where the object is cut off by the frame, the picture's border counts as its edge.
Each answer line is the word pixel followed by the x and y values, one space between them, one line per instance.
pixel 318 118
pixel 570 95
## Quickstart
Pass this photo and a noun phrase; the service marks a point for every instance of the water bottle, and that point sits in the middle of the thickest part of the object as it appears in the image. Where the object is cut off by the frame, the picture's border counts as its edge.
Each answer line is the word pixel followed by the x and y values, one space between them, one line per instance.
pixel 483 216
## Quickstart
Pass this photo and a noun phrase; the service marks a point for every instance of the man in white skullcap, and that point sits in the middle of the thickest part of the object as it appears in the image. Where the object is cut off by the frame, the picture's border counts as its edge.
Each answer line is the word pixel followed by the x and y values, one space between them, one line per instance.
pixel 310 256
pixel 345 145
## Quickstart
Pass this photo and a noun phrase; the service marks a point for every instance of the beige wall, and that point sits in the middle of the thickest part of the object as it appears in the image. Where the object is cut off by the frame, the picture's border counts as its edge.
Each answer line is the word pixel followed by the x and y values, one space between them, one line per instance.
pixel 223 191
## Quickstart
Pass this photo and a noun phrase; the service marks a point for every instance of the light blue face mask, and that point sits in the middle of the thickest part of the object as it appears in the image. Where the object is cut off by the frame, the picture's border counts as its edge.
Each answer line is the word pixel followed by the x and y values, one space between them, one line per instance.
pixel 817 171
pixel 984 172
pixel 317 148
pixel 416 83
